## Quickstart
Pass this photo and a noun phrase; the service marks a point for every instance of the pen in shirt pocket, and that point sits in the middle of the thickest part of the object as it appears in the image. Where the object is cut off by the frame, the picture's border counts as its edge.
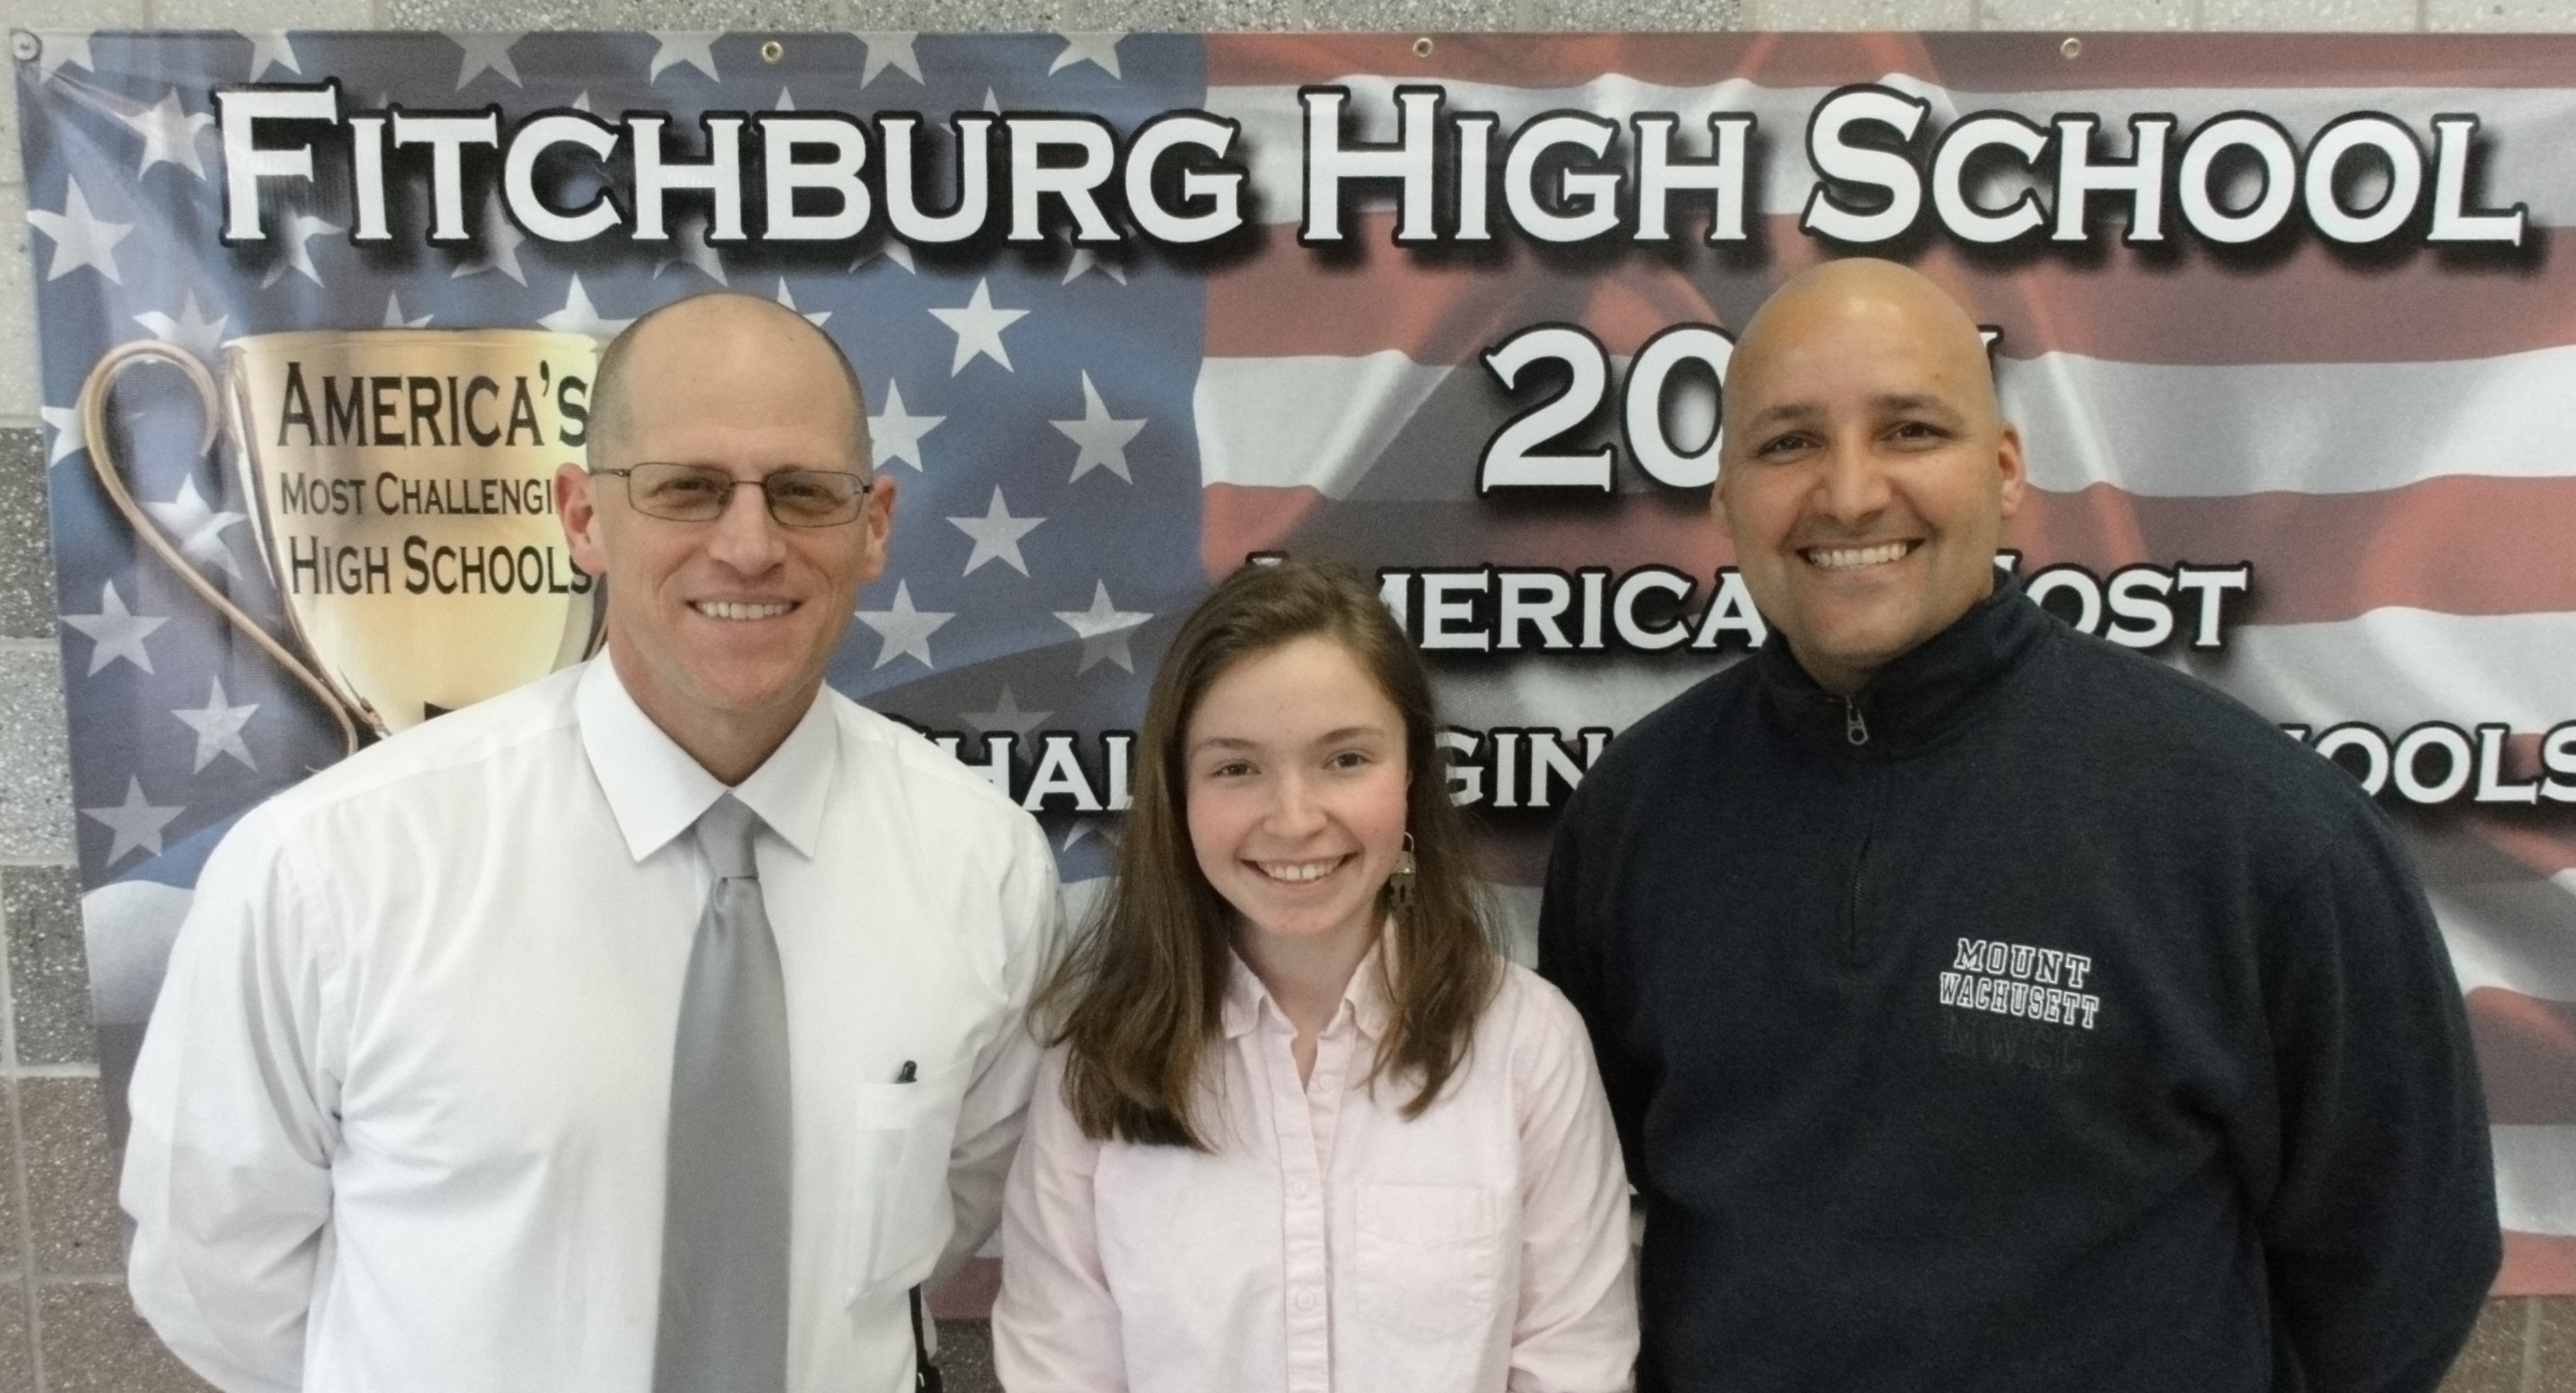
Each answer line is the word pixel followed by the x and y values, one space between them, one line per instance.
pixel 908 1072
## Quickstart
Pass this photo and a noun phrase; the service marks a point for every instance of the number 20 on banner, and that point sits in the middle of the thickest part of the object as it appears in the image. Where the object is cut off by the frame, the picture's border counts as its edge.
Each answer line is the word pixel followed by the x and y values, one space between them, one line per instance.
pixel 1523 454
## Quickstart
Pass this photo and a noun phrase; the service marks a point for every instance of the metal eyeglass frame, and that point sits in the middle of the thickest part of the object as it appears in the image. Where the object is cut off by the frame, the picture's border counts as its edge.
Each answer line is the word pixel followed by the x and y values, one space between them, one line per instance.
pixel 769 501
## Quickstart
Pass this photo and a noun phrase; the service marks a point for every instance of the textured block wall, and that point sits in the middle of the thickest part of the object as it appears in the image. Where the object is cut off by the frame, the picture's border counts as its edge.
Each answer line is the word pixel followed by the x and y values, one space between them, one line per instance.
pixel 64 1322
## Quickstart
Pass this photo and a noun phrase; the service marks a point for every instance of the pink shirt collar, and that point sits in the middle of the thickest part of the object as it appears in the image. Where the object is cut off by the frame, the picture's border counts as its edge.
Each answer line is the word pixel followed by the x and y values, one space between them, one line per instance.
pixel 1365 1002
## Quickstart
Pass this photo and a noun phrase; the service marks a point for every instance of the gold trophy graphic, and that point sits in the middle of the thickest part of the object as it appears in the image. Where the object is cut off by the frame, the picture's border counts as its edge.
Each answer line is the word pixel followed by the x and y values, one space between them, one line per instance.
pixel 402 499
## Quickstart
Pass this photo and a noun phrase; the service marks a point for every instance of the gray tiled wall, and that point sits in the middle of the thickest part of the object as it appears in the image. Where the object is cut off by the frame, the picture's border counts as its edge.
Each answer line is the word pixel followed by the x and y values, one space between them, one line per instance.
pixel 64 1323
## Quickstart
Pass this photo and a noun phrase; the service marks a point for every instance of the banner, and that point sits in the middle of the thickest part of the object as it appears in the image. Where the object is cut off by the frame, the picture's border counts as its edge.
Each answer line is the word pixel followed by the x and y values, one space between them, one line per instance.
pixel 2280 319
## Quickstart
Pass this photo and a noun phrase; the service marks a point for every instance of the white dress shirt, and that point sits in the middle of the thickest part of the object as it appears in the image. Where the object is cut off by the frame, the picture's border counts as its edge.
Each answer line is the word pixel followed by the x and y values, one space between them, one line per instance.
pixel 400 1116
pixel 1329 1245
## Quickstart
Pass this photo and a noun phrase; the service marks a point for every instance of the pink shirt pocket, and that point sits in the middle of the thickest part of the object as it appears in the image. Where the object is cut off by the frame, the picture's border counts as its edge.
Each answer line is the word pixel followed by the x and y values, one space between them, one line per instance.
pixel 1425 1259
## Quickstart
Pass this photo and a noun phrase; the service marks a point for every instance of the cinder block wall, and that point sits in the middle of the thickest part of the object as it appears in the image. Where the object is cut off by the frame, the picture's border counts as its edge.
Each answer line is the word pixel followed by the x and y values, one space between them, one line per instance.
pixel 64 1321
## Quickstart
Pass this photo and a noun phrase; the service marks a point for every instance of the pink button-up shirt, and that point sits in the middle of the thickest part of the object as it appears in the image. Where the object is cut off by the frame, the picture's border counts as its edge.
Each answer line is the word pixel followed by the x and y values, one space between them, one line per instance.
pixel 1328 1245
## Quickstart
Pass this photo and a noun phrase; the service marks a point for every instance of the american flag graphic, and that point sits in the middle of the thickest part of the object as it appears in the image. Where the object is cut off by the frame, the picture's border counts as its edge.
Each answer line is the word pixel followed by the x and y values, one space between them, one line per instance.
pixel 1083 436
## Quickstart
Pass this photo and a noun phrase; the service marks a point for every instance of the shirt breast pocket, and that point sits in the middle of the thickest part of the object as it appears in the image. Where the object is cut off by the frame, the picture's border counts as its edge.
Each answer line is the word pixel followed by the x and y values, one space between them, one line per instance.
pixel 900 1215
pixel 1427 1258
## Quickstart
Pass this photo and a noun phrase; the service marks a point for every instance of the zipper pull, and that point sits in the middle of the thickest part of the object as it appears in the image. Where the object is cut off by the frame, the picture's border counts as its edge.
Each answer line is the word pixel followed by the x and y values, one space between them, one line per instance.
pixel 1855 729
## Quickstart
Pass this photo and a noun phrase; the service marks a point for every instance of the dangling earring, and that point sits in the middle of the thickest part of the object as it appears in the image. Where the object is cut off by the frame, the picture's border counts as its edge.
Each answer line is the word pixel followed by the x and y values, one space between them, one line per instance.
pixel 1399 886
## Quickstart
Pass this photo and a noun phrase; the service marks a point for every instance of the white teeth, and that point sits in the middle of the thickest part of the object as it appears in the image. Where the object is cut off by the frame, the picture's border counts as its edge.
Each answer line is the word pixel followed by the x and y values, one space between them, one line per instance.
pixel 1297 871
pixel 727 609
pixel 1845 558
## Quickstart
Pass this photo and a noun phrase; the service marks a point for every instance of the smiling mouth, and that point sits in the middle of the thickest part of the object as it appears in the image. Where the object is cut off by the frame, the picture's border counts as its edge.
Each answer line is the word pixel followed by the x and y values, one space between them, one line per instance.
pixel 1298 872
pixel 1852 558
pixel 733 610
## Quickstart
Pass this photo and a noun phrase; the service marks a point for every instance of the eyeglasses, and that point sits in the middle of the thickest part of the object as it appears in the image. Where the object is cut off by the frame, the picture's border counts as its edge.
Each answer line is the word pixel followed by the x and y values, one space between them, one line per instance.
pixel 702 492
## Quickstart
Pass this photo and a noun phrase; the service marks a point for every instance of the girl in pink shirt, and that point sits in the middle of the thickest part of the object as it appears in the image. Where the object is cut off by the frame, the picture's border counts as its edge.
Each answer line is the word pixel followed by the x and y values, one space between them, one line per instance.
pixel 1302 1129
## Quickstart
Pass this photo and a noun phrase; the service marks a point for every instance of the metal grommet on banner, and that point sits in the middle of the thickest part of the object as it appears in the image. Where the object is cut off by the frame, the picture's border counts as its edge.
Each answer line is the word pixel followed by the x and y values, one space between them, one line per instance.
pixel 1422 47
pixel 771 50
pixel 27 46
pixel 2073 48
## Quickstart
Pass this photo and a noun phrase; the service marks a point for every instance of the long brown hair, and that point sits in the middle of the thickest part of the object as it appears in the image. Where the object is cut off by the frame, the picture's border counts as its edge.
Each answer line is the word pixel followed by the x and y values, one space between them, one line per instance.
pixel 1137 1003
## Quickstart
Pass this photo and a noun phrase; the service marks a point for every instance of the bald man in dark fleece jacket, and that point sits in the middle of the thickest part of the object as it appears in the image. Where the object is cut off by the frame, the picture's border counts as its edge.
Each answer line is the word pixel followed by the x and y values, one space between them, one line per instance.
pixel 1984 1006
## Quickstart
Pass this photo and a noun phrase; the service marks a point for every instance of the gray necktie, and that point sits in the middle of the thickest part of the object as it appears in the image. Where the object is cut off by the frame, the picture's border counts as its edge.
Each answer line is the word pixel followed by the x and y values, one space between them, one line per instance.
pixel 725 1213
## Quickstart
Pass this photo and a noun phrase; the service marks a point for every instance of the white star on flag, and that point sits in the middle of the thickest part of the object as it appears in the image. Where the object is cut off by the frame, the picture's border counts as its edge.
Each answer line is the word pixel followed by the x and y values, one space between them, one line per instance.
pixel 978 326
pixel 1005 715
pixel 501 241
pixel 1085 261
pixel 581 102
pixel 486 52
pixel 81 237
pixel 992 103
pixel 906 630
pixel 787 299
pixel 272 49
pixel 218 724
pixel 66 424
pixel 889 51
pixel 690 248
pixel 1099 50
pixel 695 49
pixel 62 51
pixel 1103 438
pixel 1104 629
pixel 896 252
pixel 136 822
pixel 787 100
pixel 115 631
pixel 897 434
pixel 197 528
pixel 191 330
pixel 394 314
pixel 300 231
pixel 169 132
pixel 579 316
pixel 997 535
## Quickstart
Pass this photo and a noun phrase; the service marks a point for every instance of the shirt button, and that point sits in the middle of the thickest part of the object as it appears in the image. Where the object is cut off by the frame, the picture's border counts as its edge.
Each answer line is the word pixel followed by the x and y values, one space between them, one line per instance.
pixel 1300 1188
pixel 1306 1300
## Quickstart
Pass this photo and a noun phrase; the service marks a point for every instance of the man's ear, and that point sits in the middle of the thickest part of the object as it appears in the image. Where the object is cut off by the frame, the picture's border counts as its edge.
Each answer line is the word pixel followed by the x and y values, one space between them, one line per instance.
pixel 878 517
pixel 2015 477
pixel 578 507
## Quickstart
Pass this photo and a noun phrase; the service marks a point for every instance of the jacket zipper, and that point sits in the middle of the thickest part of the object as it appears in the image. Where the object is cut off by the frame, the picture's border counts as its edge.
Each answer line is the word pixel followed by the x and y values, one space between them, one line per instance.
pixel 1855 729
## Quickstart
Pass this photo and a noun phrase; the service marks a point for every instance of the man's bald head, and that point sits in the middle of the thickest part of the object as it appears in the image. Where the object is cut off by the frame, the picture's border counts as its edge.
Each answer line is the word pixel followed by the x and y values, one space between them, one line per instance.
pixel 671 338
pixel 1890 298
pixel 1866 471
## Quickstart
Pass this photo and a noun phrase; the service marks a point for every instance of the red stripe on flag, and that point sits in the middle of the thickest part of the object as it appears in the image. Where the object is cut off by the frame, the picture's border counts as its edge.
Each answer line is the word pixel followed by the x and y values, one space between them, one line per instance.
pixel 1778 60
pixel 2542 840
pixel 1291 303
pixel 1972 63
pixel 2431 545
pixel 2527 1056
pixel 2038 62
pixel 2312 307
pixel 1236 520
pixel 1563 532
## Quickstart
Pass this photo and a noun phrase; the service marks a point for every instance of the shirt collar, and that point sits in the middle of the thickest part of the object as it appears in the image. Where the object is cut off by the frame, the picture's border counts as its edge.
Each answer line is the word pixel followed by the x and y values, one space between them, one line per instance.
pixel 657 791
pixel 1365 999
